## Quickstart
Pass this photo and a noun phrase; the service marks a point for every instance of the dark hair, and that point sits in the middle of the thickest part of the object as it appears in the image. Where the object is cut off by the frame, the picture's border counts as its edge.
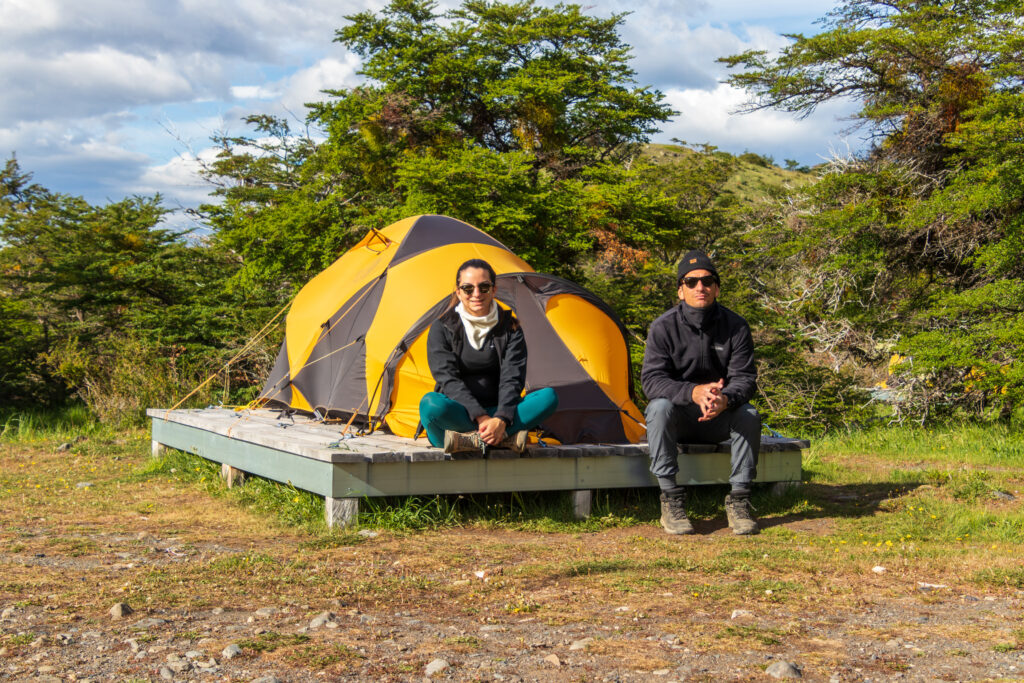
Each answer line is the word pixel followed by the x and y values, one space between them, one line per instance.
pixel 477 263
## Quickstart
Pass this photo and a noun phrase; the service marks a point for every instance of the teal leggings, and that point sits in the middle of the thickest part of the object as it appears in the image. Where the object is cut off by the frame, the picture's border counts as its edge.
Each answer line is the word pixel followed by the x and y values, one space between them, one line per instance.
pixel 438 413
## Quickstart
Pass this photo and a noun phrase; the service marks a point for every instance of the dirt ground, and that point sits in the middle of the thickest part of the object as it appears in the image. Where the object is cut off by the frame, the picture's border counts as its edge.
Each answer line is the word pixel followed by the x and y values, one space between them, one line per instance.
pixel 221 594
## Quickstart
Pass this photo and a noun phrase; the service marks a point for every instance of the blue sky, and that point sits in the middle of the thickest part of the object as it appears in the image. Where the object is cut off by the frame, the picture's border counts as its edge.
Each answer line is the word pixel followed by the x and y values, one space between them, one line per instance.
pixel 110 98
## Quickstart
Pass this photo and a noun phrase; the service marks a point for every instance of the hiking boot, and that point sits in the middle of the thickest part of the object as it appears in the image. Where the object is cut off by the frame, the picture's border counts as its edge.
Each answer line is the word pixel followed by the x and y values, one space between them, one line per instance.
pixel 461 442
pixel 737 510
pixel 515 442
pixel 673 515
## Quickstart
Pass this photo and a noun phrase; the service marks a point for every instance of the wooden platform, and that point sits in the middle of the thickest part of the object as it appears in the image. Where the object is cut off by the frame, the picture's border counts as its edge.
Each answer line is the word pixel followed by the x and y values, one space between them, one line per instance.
pixel 316 457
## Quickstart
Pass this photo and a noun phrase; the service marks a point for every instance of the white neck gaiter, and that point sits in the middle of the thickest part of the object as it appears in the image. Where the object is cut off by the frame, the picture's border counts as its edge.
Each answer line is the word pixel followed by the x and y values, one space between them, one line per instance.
pixel 477 326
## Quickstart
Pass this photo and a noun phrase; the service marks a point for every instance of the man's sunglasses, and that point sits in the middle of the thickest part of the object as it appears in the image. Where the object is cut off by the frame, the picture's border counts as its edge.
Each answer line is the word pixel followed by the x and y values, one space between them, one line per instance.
pixel 706 280
pixel 484 287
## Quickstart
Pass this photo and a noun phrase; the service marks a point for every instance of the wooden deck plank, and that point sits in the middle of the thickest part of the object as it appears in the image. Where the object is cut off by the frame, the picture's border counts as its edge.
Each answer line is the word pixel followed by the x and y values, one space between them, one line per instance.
pixel 316 458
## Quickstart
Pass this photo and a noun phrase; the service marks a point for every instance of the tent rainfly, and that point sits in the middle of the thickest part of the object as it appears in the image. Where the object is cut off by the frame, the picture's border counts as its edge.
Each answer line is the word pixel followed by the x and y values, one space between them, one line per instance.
pixel 355 344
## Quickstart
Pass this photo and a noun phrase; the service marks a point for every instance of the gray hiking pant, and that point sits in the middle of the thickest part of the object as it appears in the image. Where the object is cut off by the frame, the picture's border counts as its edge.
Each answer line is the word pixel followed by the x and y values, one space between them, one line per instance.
pixel 669 424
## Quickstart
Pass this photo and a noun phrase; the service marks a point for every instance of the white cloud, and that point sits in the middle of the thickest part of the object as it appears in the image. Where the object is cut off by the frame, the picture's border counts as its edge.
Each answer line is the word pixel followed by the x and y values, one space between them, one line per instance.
pixel 90 88
pixel 307 85
pixel 253 92
pixel 707 116
pixel 179 179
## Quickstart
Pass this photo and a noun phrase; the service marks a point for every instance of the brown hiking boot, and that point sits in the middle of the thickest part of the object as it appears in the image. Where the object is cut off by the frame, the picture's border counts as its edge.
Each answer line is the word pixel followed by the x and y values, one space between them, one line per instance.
pixel 515 442
pixel 673 515
pixel 461 442
pixel 737 510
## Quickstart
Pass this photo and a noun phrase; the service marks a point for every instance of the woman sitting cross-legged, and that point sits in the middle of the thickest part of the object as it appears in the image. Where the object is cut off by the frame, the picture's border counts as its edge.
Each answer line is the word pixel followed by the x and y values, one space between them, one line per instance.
pixel 477 354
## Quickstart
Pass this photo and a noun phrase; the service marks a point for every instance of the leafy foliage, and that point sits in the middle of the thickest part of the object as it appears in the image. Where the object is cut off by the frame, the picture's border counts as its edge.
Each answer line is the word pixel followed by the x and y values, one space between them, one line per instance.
pixel 99 297
pixel 916 247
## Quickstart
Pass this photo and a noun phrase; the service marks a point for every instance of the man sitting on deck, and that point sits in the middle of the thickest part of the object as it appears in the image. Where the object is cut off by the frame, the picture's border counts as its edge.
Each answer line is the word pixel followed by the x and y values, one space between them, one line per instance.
pixel 699 376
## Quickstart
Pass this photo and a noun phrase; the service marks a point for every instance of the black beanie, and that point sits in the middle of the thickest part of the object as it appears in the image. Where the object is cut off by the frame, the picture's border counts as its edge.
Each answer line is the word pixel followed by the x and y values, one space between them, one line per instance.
pixel 695 259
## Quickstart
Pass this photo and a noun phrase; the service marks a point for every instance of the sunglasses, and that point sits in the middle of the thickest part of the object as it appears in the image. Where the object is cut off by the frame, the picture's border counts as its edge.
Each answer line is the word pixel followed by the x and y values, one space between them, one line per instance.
pixel 484 287
pixel 706 280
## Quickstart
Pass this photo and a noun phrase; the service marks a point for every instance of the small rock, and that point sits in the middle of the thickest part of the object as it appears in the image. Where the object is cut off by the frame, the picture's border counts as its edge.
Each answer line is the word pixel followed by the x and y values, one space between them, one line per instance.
pixel 194 654
pixel 120 610
pixel 435 666
pixel 217 610
pixel 4 651
pixel 1002 495
pixel 266 679
pixel 84 485
pixel 878 569
pixel 661 672
pixel 366 533
pixel 783 670
pixel 492 627
pixel 553 660
pixel 928 587
pixel 8 613
pixel 581 644
pixel 266 611
pixel 231 651
pixel 149 622
pixel 321 619
pixel 970 598
pixel 133 644
pixel 622 609
pixel 179 667
pixel 742 614
pixel 166 674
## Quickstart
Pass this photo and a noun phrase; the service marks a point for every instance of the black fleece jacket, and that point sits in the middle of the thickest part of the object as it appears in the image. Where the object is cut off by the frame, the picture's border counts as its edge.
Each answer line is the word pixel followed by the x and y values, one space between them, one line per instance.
pixel 444 348
pixel 687 347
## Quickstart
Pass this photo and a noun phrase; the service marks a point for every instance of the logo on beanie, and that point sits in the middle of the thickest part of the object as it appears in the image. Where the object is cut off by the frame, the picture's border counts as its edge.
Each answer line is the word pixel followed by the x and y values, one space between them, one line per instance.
pixel 693 260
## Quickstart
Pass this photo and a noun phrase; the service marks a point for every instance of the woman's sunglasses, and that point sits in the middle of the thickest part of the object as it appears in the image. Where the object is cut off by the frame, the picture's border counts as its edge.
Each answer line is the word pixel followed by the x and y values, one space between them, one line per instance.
pixel 706 280
pixel 484 287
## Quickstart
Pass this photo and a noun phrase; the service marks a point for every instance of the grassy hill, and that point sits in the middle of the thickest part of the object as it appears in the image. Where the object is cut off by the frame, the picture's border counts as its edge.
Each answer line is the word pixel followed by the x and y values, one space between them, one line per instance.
pixel 755 177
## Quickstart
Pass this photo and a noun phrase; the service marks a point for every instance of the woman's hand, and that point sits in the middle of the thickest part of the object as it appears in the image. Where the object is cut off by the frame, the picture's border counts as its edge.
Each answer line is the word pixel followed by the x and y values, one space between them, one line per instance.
pixel 492 429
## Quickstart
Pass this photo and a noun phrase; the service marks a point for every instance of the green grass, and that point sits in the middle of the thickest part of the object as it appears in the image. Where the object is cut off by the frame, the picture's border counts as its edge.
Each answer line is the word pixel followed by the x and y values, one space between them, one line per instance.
pixel 1000 578
pixel 925 498
pixel 31 426
pixel 323 656
pixel 995 445
pixel 271 640
pixel 893 496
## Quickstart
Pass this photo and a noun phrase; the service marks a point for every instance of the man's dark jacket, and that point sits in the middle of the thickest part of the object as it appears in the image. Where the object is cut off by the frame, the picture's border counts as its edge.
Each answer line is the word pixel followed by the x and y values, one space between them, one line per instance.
pixel 444 346
pixel 684 351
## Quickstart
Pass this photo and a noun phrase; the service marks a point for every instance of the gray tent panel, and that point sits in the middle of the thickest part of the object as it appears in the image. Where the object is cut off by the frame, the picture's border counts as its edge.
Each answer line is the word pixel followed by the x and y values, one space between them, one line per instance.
pixel 585 412
pixel 279 387
pixel 334 377
pixel 430 232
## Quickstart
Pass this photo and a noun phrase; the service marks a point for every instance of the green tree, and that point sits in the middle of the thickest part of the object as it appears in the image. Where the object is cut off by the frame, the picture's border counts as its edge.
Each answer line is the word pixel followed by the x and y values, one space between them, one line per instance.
pixel 913 247
pixel 93 291
pixel 491 113
pixel 551 81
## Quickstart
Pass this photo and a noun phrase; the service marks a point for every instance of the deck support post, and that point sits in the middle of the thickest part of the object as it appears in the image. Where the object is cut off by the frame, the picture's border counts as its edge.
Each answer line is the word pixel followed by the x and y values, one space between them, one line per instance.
pixel 581 503
pixel 156 448
pixel 231 476
pixel 341 512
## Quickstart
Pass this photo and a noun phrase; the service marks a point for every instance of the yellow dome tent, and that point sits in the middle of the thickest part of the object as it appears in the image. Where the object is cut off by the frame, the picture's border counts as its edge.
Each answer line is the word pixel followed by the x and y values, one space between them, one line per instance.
pixel 355 340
